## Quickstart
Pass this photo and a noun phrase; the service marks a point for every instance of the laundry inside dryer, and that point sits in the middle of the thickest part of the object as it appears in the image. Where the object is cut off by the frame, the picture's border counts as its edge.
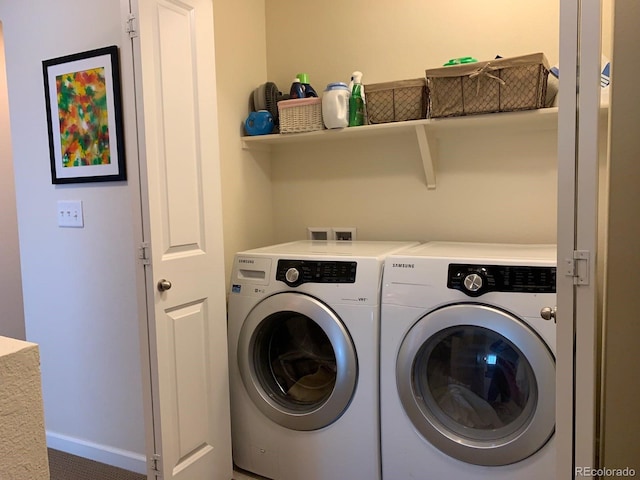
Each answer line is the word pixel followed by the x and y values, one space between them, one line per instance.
pixel 301 361
pixel 474 378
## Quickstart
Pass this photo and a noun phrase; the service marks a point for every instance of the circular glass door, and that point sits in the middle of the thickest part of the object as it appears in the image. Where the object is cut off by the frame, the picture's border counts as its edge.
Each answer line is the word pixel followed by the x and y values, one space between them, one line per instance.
pixel 478 384
pixel 297 361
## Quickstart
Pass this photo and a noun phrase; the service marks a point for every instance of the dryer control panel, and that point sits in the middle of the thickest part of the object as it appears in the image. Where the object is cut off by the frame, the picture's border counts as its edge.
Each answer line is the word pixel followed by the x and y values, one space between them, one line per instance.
pixel 476 280
pixel 297 272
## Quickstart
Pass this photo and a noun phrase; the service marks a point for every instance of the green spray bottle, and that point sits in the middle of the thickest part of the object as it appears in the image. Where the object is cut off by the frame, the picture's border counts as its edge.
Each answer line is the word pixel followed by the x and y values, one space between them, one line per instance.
pixel 357 104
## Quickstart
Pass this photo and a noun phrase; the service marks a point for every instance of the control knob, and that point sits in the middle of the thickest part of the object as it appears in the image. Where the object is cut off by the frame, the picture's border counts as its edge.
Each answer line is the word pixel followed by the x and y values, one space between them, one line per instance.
pixel 473 282
pixel 292 275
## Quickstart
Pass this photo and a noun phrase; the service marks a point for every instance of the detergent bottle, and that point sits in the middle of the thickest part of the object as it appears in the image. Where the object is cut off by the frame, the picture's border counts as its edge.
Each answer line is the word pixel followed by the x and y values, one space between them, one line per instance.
pixel 357 105
pixel 335 105
pixel 306 87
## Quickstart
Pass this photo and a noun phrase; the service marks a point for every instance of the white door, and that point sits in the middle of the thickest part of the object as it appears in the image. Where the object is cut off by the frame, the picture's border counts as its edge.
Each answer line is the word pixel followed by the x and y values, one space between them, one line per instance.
pixel 182 216
pixel 578 129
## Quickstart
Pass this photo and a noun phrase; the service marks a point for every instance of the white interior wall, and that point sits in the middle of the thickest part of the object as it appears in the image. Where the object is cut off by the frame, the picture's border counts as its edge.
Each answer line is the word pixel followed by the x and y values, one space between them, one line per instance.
pixel 12 317
pixel 242 67
pixel 490 187
pixel 79 284
pixel 399 40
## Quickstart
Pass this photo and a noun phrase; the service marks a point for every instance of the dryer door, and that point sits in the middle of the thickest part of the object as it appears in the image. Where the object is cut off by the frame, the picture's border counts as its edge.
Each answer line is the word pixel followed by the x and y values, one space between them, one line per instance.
pixel 297 361
pixel 478 384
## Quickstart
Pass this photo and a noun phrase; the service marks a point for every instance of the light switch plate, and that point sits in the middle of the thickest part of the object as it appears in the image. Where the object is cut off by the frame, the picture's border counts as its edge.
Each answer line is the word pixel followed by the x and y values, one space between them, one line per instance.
pixel 70 213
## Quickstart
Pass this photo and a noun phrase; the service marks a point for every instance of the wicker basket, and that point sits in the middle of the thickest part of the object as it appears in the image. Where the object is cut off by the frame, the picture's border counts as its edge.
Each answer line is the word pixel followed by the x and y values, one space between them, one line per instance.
pixel 396 101
pixel 502 85
pixel 300 115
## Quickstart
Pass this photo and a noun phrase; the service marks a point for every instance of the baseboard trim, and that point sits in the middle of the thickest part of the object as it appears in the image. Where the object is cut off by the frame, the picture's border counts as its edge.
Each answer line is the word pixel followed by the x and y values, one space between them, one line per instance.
pixel 131 461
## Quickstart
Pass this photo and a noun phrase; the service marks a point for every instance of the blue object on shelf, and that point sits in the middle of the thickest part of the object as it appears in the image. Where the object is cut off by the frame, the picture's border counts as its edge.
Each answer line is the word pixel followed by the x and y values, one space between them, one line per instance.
pixel 259 123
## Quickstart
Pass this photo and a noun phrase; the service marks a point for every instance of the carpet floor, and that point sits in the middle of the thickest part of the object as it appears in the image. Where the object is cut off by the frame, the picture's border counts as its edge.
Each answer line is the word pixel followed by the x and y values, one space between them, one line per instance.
pixel 64 466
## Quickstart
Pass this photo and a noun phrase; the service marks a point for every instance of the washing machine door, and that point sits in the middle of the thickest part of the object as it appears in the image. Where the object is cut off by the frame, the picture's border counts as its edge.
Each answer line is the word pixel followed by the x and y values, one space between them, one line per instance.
pixel 478 384
pixel 297 361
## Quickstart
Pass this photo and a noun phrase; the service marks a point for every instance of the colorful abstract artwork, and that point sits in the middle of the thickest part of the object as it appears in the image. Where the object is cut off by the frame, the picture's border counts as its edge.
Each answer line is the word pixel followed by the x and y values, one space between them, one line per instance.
pixel 82 93
pixel 84 121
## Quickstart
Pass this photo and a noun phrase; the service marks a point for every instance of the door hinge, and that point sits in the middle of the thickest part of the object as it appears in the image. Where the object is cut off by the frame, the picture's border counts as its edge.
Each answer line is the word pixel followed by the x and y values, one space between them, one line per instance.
pixel 130 26
pixel 579 267
pixel 144 253
pixel 154 464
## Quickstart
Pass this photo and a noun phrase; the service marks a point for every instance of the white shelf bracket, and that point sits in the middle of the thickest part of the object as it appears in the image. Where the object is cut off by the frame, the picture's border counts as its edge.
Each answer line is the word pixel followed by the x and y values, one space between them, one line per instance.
pixel 427 143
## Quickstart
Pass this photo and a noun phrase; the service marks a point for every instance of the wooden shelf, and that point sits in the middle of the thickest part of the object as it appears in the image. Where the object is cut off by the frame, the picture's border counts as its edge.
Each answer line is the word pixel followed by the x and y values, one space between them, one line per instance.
pixel 426 132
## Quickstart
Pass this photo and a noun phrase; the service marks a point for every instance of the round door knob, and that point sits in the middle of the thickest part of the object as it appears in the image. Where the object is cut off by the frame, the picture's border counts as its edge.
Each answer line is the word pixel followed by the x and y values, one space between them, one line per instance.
pixel 164 285
pixel 548 313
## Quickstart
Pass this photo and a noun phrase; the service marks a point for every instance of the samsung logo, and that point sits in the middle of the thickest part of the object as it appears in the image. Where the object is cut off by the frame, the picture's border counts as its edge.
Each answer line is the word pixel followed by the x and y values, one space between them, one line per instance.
pixel 247 261
pixel 403 265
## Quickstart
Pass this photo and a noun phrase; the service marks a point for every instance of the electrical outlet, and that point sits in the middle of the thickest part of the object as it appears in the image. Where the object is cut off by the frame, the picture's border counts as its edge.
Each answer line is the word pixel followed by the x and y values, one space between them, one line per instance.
pixel 319 233
pixel 70 214
pixel 344 234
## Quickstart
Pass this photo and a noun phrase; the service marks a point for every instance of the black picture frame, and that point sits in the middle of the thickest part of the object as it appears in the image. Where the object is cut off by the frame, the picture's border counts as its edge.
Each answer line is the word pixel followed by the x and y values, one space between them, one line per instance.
pixel 84 117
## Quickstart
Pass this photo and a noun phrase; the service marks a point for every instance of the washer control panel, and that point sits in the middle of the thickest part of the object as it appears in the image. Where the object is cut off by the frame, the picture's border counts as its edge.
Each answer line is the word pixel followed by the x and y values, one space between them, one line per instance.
pixel 297 272
pixel 476 280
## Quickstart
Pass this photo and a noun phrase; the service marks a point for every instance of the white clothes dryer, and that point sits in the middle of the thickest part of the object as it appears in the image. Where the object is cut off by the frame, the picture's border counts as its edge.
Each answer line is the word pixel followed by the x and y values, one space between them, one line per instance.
pixel 303 333
pixel 468 363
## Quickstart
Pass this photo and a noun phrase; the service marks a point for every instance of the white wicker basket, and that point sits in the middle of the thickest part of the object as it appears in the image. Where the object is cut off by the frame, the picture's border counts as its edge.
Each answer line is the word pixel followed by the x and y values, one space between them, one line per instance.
pixel 300 115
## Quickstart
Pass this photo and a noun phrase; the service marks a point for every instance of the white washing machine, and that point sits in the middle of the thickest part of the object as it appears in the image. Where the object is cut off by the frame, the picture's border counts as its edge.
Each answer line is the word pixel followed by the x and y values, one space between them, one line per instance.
pixel 304 348
pixel 468 362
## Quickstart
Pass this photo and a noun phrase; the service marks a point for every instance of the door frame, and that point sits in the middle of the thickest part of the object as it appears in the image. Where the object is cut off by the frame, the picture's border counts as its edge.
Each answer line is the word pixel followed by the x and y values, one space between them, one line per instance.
pixel 577 308
pixel 140 214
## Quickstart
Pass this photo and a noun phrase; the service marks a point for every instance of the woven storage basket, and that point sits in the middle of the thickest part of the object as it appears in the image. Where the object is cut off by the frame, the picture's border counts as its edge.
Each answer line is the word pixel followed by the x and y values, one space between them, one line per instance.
pixel 502 85
pixel 396 101
pixel 300 115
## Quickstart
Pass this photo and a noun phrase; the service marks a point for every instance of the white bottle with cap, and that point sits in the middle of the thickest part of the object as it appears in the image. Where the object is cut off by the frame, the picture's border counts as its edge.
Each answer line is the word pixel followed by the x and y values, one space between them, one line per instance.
pixel 335 105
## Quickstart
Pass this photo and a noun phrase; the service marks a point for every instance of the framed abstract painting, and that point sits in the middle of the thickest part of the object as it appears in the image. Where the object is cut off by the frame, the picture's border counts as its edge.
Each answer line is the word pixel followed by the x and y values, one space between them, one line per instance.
pixel 84 117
